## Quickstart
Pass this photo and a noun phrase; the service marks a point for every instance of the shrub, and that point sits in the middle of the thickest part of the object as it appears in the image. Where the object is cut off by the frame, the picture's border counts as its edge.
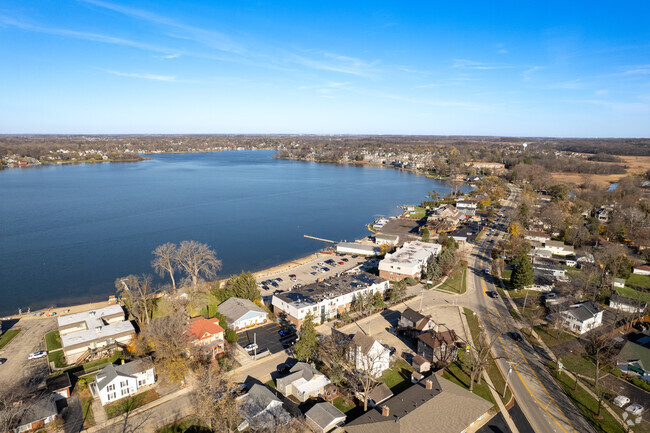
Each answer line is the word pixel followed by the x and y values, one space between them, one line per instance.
pixel 231 336
pixel 410 281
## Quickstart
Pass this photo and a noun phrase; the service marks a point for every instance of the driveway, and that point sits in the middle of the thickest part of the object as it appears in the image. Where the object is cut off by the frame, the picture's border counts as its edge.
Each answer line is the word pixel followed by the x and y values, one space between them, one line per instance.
pixel 267 337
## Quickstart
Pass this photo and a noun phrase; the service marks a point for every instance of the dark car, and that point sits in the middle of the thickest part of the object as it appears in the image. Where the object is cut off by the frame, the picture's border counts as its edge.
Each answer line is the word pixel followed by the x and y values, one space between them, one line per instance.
pixel 279 280
pixel 344 259
pixel 516 336
pixel 283 368
pixel 284 332
pixel 3 360
pixel 274 284
pixel 492 294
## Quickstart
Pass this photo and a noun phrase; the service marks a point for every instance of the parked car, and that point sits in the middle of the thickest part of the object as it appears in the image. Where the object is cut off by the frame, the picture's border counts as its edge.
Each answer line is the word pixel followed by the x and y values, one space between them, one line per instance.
pixel 635 409
pixel 292 275
pixel 321 264
pixel 250 346
pixel 36 355
pixel 316 267
pixel 279 280
pixel 326 269
pixel 621 400
pixel 283 368
pixel 516 336
pixel 344 259
pixel 3 360
pixel 294 279
pixel 314 273
pixel 284 332
pixel 487 271
pixel 341 263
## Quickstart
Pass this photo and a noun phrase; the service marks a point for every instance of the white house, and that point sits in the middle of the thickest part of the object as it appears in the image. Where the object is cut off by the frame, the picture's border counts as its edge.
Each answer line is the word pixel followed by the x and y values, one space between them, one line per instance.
pixel 619 282
pixel 538 236
pixel 93 331
pixel 368 355
pixel 303 382
pixel 115 382
pixel 408 261
pixel 242 313
pixel 386 239
pixel 626 304
pixel 642 270
pixel 582 317
pixel 326 299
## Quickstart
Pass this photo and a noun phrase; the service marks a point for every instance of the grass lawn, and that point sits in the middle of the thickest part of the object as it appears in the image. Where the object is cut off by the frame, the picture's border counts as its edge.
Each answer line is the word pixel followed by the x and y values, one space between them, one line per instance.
pixel 456 282
pixel 632 293
pixel 514 314
pixel 130 404
pixel 398 377
pixel 580 365
pixel 57 358
pixel 101 363
pixel 454 373
pixel 343 405
pixel 86 408
pixel 52 340
pixel 589 406
pixel 505 276
pixel 549 336
pixel 642 281
pixel 8 336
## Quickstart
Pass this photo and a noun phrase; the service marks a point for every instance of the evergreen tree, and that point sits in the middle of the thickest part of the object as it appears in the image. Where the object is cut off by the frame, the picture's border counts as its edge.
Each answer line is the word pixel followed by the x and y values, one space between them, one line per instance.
pixel 305 348
pixel 522 274
pixel 425 235
pixel 243 286
pixel 433 269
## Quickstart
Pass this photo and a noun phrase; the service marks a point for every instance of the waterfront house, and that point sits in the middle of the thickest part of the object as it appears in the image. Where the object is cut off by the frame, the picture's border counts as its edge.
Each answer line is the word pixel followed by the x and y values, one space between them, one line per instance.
pixel 303 382
pixel 94 333
pixel 326 299
pixel 242 313
pixel 323 417
pixel 368 355
pixel 408 261
pixel 582 317
pixel 357 248
pixel 115 382
pixel 386 239
pixel 433 404
pixel 206 335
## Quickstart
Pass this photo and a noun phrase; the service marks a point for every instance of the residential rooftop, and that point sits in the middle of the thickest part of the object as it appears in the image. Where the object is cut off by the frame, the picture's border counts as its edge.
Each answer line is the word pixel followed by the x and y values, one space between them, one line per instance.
pixel 92 318
pixel 98 333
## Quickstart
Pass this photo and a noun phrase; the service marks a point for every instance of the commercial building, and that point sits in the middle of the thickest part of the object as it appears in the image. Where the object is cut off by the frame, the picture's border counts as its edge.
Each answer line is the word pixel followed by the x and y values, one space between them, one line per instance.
pixel 356 248
pixel 94 332
pixel 326 299
pixel 408 261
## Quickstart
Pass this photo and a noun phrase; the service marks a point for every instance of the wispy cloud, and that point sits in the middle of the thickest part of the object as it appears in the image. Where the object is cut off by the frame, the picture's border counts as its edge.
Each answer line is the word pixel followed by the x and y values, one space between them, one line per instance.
pixel 142 76
pixel 205 37
pixel 526 74
pixel 637 70
pixel 469 64
pixel 337 63
pixel 501 48
pixel 169 56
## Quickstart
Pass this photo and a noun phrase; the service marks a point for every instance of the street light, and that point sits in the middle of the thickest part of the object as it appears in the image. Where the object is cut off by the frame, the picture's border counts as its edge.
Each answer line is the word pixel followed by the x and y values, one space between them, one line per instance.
pixel 510 363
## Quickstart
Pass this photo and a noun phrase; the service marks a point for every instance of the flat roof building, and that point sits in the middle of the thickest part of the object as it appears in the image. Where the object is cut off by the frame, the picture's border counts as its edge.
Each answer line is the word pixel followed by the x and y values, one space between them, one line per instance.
pixel 326 299
pixel 408 261
pixel 356 248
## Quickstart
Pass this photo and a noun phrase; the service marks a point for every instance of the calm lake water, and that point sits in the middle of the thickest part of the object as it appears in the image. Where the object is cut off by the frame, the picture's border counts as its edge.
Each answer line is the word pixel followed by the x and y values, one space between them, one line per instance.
pixel 67 232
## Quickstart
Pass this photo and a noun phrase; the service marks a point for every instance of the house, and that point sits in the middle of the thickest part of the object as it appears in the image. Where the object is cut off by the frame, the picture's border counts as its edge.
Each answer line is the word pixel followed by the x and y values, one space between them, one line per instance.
pixel 539 236
pixel 59 384
pixel 357 248
pixel 94 333
pixel 408 261
pixel 115 382
pixel 542 281
pixel 584 257
pixel 551 248
pixel 642 270
pixel 627 305
pixel 207 336
pixel 445 214
pixel 324 417
pixel 386 239
pixel 439 348
pixel 325 300
pixel 420 364
pixel 30 415
pixel 368 355
pixel 619 282
pixel 634 358
pixel 261 410
pixel 467 207
pixel 582 317
pixel 549 267
pixel 379 394
pixel 302 382
pixel 413 323
pixel 571 261
pixel 434 404
pixel 603 214
pixel 242 313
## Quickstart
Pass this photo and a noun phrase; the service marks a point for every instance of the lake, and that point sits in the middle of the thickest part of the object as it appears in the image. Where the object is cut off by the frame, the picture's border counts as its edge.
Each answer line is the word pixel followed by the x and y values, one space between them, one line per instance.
pixel 68 231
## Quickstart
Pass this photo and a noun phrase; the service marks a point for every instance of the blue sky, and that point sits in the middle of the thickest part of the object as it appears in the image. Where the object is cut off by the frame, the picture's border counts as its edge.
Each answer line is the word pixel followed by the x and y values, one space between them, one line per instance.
pixel 575 68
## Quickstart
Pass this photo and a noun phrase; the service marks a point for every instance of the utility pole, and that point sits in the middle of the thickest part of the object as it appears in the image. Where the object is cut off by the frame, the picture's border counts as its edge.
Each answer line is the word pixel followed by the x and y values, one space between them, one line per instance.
pixel 255 345
pixel 510 364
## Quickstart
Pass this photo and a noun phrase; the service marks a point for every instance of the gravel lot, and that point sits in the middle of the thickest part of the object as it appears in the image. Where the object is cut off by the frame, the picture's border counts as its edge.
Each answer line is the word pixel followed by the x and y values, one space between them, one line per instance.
pixel 18 369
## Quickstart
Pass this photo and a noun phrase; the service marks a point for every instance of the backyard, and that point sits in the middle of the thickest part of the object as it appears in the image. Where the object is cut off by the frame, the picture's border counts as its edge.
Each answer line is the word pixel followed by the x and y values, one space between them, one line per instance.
pixel 398 377
pixel 456 282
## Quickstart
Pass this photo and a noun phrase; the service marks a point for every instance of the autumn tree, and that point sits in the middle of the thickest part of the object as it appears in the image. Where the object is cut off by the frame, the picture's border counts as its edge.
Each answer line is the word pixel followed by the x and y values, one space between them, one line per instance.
pixel 165 261
pixel 197 261
pixel 215 400
pixel 306 346
pixel 138 295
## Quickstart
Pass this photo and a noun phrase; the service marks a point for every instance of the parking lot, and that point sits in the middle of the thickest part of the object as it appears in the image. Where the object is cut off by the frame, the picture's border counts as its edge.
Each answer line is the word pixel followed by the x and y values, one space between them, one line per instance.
pixel 267 337
pixel 305 273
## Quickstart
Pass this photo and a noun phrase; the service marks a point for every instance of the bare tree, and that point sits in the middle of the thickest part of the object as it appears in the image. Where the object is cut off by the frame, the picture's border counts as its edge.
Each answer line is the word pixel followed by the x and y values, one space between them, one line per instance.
pixel 600 346
pixel 215 400
pixel 168 337
pixel 138 294
pixel 165 261
pixel 363 370
pixel 197 260
pixel 12 405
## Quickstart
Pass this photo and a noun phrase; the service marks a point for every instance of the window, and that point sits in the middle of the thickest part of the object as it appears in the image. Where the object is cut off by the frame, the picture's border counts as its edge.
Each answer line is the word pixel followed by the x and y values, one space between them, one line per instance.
pixel 111 387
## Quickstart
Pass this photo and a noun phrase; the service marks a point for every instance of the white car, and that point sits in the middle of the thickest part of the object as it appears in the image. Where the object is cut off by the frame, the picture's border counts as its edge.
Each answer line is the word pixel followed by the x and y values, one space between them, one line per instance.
pixel 635 409
pixel 321 264
pixel 36 355
pixel 251 346
pixel 621 401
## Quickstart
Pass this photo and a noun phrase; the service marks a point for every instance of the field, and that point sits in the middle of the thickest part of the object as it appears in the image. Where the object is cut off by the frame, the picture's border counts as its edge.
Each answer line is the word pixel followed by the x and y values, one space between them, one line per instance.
pixel 635 164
